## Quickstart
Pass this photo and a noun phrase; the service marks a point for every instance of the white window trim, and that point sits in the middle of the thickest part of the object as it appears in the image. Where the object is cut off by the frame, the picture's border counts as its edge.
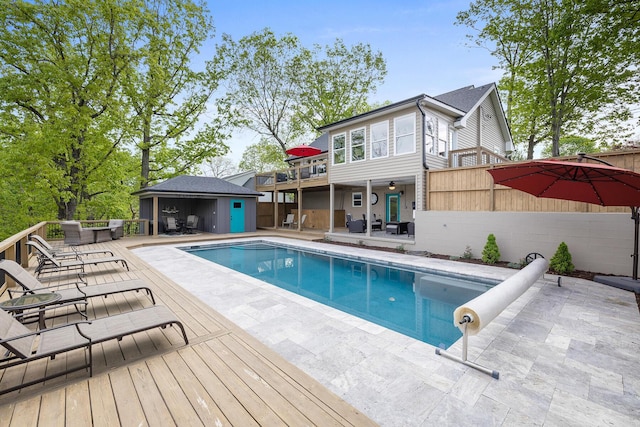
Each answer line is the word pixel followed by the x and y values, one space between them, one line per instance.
pixel 395 134
pixel 364 144
pixel 384 123
pixel 333 157
pixel 353 199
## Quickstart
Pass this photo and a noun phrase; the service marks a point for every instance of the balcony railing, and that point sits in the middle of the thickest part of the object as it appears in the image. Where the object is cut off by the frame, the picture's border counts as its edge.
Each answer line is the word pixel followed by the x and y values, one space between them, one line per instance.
pixel 474 157
pixel 314 174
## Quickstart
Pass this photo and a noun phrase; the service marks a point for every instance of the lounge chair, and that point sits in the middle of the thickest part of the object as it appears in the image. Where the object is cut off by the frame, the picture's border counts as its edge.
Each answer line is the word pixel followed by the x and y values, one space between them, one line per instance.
pixel 75 234
pixel 295 223
pixel 69 254
pixel 48 263
pixel 192 223
pixel 24 345
pixel 288 221
pixel 32 285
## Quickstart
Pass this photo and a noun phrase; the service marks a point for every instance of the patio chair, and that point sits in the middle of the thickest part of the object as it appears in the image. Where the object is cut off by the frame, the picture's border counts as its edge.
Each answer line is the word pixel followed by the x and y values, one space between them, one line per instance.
pixel 295 223
pixel 74 253
pixel 376 224
pixel 171 227
pixel 288 221
pixel 24 345
pixel 30 284
pixel 357 226
pixel 75 234
pixel 48 263
pixel 192 223
pixel 117 228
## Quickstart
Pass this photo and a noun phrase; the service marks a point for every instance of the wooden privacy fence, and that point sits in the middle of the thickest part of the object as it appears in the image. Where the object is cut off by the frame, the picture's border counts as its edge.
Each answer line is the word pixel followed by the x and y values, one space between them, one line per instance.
pixel 472 189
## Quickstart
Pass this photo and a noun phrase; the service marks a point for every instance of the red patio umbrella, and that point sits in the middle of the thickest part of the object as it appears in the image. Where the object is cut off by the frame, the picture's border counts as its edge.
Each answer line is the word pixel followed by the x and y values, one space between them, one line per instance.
pixel 303 151
pixel 599 184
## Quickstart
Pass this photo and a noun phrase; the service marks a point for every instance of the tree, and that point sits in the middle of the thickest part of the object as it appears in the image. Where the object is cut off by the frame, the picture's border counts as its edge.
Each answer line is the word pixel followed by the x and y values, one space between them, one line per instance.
pixel 571 145
pixel 263 156
pixel 335 84
pixel 167 96
pixel 60 67
pixel 262 74
pixel 284 91
pixel 579 63
pixel 219 167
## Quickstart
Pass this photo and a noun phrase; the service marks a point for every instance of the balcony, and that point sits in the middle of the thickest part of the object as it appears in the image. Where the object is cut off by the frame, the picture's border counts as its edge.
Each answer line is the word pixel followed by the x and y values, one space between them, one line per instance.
pixel 474 157
pixel 313 175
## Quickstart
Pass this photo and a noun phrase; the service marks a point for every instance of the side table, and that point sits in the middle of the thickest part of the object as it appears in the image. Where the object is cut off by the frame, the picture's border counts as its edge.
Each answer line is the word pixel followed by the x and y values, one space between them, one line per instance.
pixel 25 302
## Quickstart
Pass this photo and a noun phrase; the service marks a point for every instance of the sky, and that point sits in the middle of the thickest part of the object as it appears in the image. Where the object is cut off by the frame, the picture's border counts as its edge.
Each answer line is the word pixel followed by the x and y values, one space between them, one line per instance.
pixel 424 51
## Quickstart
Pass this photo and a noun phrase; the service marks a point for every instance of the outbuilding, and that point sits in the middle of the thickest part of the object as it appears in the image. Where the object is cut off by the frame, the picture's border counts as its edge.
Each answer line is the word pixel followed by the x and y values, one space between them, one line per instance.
pixel 221 207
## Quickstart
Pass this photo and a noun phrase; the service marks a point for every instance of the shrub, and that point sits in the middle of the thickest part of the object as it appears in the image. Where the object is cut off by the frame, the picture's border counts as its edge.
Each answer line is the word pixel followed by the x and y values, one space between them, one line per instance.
pixel 561 261
pixel 491 253
pixel 467 254
pixel 401 249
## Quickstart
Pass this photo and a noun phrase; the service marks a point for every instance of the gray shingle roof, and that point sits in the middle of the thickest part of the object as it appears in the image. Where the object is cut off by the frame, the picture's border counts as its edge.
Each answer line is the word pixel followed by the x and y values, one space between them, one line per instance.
pixel 464 98
pixel 200 185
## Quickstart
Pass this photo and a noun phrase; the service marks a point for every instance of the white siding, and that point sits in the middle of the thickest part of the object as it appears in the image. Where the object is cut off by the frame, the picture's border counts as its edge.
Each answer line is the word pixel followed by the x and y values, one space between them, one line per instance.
pixel 488 135
pixel 389 167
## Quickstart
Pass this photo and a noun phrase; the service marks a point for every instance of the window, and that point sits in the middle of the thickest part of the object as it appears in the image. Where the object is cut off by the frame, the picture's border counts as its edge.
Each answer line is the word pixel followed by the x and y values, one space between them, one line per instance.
pixel 356 200
pixel 357 145
pixel 443 138
pixel 430 134
pixel 380 140
pixel 339 147
pixel 405 134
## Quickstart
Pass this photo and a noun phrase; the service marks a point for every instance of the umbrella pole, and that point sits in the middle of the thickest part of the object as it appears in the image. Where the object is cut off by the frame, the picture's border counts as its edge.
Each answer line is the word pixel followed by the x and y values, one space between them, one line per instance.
pixel 635 216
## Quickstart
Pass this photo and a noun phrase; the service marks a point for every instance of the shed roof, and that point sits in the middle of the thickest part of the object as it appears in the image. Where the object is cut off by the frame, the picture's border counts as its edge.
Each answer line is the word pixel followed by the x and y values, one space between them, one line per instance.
pixel 204 185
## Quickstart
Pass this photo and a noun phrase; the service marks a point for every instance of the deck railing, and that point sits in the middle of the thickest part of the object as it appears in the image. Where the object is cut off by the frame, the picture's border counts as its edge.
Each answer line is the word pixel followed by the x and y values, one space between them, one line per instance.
pixel 313 174
pixel 474 157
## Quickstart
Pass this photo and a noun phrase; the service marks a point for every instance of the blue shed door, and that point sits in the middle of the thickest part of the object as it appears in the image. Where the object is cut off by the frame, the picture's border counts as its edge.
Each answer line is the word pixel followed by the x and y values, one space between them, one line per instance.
pixel 237 216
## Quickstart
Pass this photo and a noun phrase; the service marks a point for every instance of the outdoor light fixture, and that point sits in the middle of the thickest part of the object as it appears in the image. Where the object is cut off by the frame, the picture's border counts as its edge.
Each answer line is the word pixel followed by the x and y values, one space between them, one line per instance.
pixel 392 185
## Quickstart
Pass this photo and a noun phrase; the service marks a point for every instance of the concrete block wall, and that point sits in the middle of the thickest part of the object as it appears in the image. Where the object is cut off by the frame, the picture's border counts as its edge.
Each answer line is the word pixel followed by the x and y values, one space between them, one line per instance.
pixel 598 242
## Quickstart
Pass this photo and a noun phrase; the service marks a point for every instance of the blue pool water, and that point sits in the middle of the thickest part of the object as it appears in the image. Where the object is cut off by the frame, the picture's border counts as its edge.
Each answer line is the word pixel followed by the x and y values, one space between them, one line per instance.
pixel 419 304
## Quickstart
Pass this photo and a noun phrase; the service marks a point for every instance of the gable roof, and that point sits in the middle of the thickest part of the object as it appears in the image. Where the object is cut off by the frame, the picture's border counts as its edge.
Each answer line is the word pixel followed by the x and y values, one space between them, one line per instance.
pixel 198 185
pixel 465 98
pixel 241 178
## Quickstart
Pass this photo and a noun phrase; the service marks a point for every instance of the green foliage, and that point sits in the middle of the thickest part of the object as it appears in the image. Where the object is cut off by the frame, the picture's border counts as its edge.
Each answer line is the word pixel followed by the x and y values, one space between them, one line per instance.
pixel 561 261
pixel 569 66
pixel 263 156
pixel 572 145
pixel 491 253
pixel 284 91
pixel 167 97
pixel 401 249
pixel 467 254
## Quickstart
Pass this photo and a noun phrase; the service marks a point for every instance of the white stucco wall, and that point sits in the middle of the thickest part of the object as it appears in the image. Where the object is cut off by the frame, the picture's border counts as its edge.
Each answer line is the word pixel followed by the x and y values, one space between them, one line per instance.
pixel 598 242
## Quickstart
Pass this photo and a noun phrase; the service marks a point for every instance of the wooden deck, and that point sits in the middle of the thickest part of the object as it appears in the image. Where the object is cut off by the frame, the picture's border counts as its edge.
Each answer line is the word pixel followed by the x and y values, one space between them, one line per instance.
pixel 222 377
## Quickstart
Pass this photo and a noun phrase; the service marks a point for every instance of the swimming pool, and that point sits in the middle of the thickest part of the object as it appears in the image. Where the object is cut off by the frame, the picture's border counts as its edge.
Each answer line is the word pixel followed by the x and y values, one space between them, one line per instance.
pixel 416 303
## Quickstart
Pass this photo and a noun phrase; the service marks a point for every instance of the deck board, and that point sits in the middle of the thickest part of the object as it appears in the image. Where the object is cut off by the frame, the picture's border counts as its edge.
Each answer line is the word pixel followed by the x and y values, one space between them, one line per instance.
pixel 222 377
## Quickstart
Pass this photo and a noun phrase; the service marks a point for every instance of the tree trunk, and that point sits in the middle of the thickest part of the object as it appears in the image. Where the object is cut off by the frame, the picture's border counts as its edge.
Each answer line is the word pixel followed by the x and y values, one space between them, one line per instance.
pixel 146 154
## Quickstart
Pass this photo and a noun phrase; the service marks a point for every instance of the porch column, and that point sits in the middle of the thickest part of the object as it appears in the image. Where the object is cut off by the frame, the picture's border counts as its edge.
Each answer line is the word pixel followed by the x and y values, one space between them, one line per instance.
pixel 299 208
pixel 155 216
pixel 368 202
pixel 332 191
pixel 275 209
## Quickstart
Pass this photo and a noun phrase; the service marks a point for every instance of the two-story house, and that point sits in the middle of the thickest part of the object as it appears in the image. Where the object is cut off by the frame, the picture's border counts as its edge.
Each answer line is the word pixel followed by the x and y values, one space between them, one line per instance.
pixel 373 166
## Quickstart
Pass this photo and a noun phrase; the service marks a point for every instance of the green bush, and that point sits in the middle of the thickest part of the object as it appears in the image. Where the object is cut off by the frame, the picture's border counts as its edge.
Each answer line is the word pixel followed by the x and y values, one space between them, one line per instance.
pixel 467 254
pixel 561 261
pixel 491 253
